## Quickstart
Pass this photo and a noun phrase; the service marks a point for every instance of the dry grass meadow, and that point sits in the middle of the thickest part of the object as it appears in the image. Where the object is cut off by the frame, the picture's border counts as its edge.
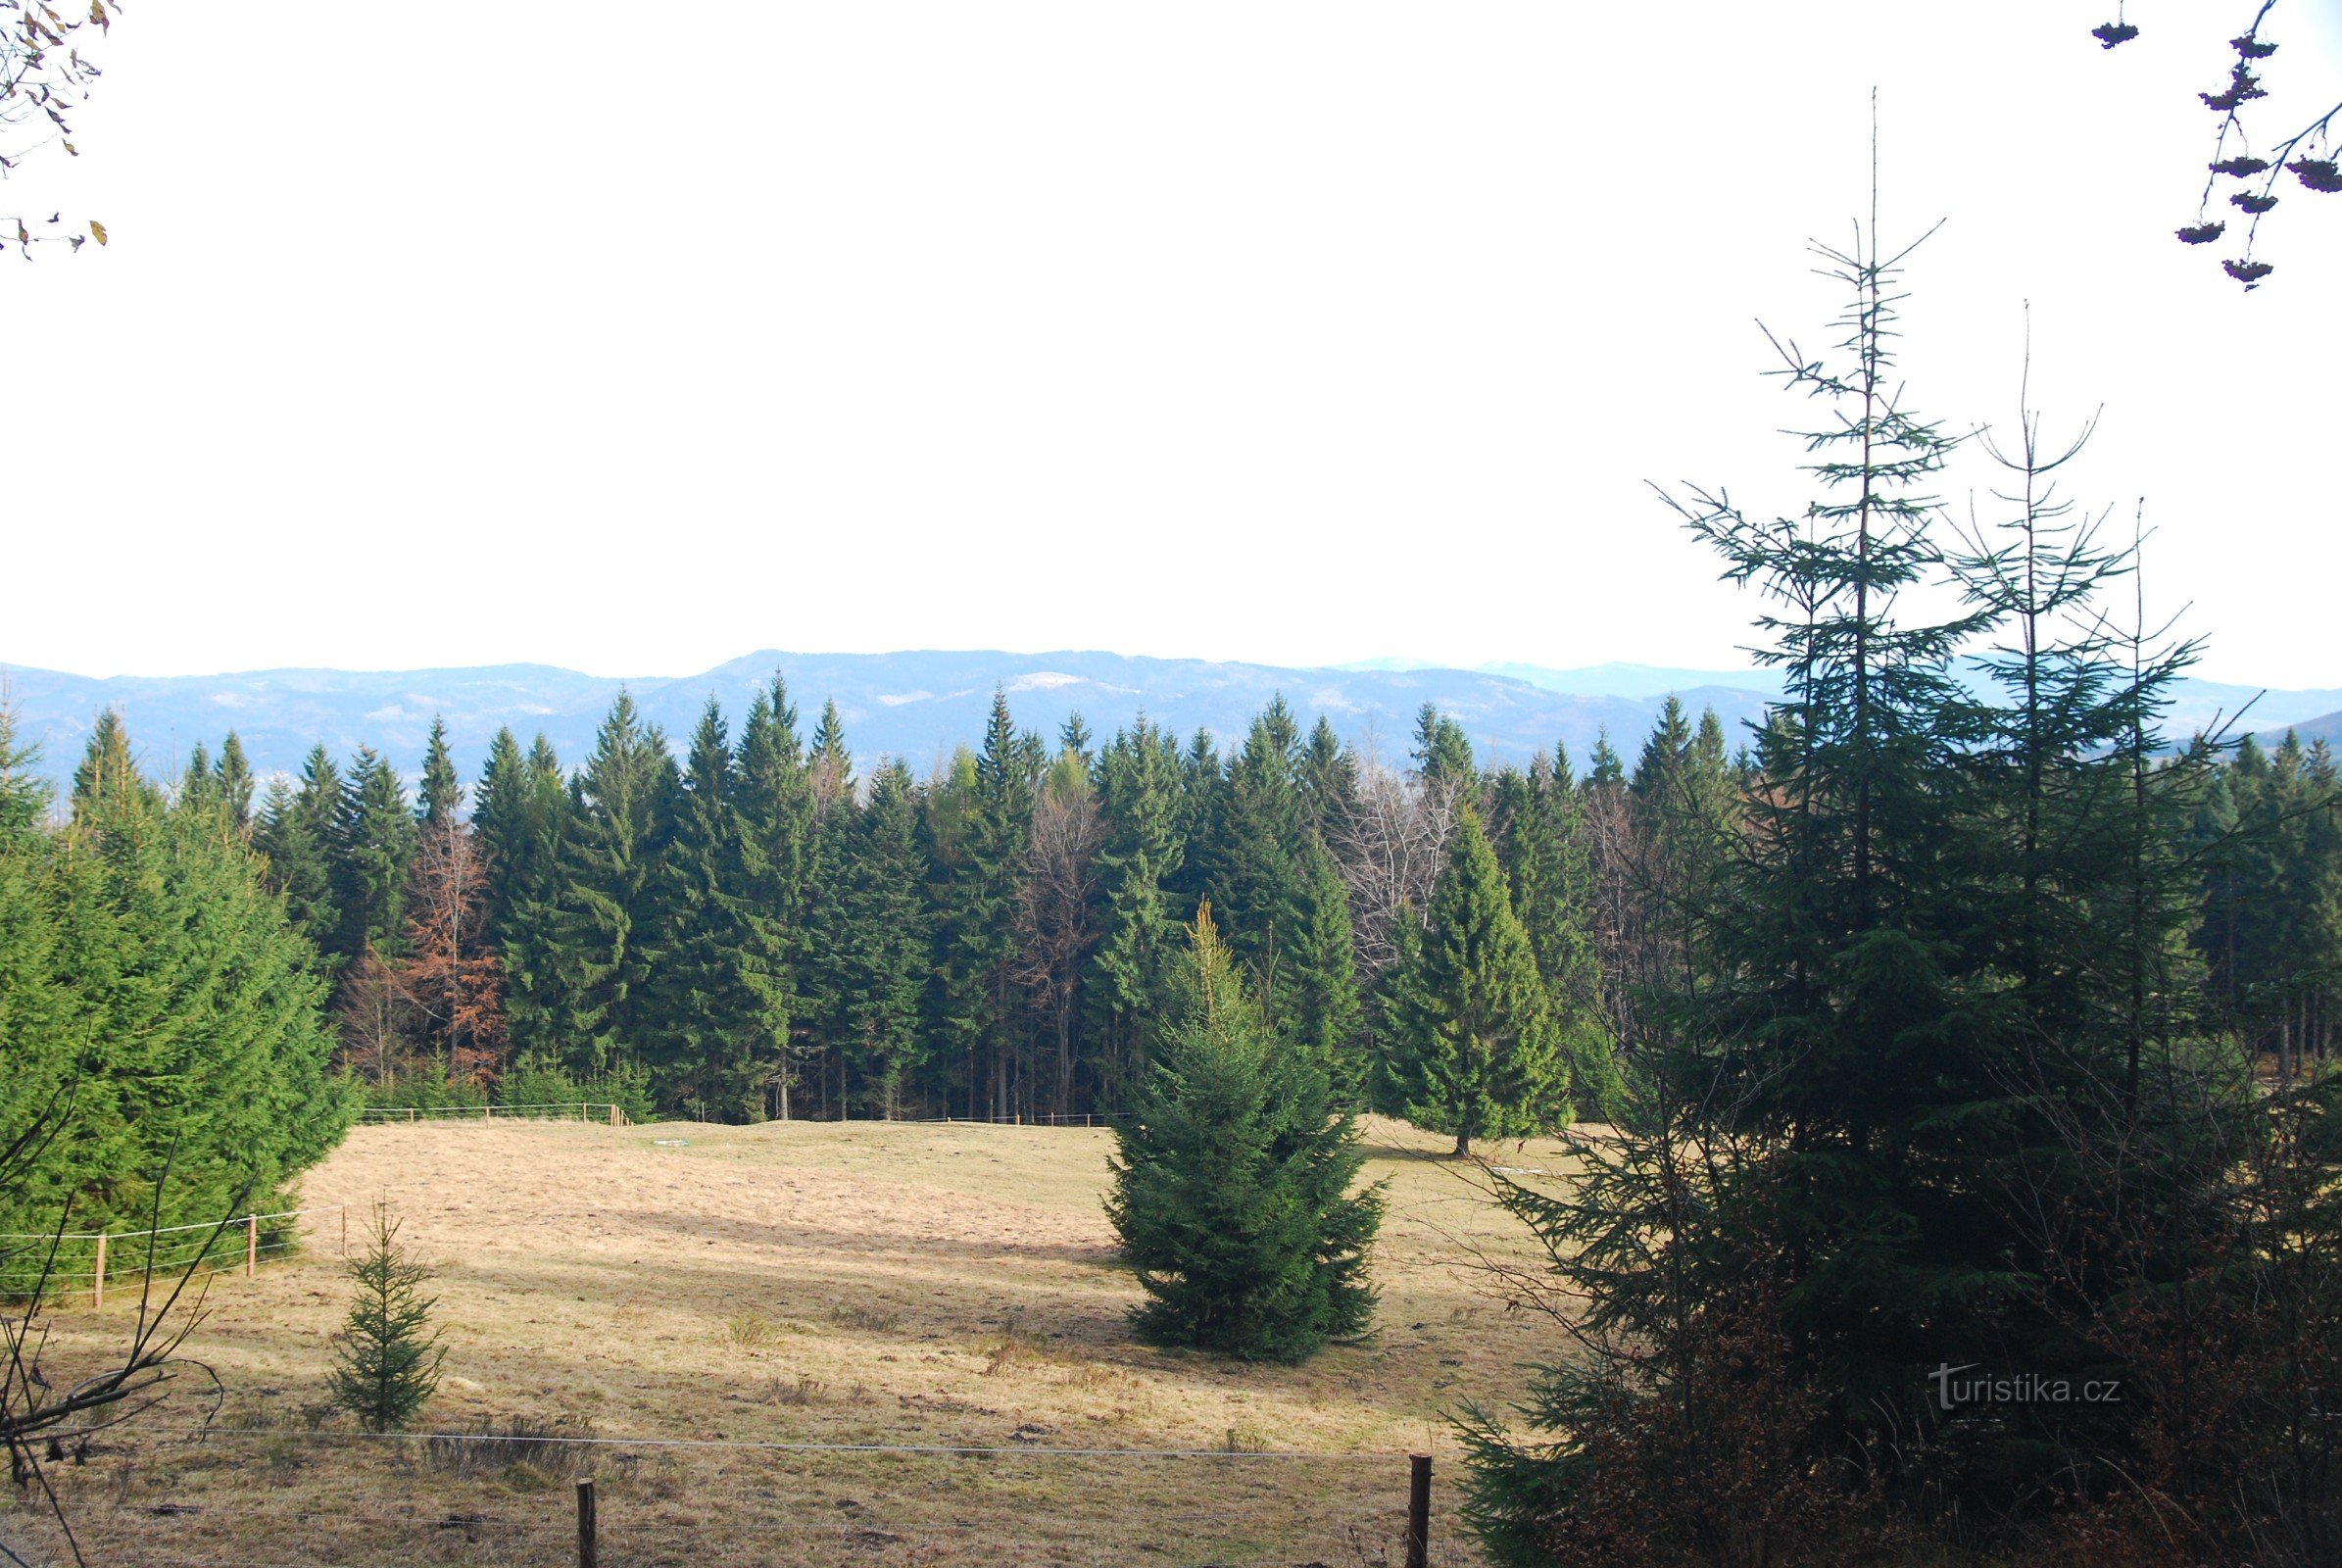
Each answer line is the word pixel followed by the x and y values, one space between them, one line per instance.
pixel 802 1283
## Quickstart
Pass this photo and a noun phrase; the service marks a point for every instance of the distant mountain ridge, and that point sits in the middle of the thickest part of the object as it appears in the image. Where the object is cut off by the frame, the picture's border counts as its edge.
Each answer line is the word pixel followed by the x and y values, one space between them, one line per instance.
pixel 920 704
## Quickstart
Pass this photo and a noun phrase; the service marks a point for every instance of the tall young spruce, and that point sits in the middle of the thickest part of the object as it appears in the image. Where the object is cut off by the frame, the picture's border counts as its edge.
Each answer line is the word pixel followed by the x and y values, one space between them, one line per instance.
pixel 1903 1048
pixel 600 925
pixel 1233 1180
pixel 1473 1051
pixel 703 1052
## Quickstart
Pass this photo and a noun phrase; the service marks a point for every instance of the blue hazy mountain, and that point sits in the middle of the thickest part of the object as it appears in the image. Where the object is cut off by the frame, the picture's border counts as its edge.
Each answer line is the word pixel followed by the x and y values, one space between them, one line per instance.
pixel 918 706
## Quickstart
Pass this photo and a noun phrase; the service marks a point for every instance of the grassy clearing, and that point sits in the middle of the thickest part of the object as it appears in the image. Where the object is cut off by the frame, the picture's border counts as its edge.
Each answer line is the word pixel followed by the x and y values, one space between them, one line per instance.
pixel 806 1283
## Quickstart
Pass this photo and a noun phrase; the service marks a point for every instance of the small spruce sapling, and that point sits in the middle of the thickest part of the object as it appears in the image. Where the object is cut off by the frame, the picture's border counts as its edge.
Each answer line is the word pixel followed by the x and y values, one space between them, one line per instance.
pixel 388 1361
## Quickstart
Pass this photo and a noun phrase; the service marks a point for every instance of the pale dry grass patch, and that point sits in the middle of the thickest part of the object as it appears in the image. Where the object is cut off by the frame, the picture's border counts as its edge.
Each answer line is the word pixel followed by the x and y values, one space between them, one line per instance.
pixel 818 1283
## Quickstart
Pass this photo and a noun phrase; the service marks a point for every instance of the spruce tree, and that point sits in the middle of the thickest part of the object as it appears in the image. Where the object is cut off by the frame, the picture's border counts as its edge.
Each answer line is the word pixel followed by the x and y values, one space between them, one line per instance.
pixel 108 774
pixel 23 793
pixel 374 849
pixel 37 1007
pixel 1543 852
pixel 977 985
pixel 1253 859
pixel 1233 1181
pixel 1605 771
pixel 600 931
pixel 1471 1050
pixel 701 1052
pixel 829 762
pixel 441 794
pixel 888 918
pixel 198 789
pixel 1138 793
pixel 777 819
pixel 1329 773
pixel 1074 737
pixel 232 775
pixel 1897 1121
pixel 386 1366
pixel 1442 752
pixel 1318 1008
pixel 520 813
pixel 198 1028
pixel 300 862
pixel 825 959
pixel 1200 769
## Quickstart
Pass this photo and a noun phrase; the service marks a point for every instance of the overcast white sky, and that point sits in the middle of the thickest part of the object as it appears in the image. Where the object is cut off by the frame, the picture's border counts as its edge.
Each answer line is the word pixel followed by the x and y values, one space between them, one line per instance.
pixel 1297 332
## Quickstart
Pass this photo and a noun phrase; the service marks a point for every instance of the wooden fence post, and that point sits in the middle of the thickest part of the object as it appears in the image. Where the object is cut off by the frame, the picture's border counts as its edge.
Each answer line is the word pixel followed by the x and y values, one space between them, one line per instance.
pixel 344 1230
pixel 588 1553
pixel 1419 1510
pixel 252 1244
pixel 97 1284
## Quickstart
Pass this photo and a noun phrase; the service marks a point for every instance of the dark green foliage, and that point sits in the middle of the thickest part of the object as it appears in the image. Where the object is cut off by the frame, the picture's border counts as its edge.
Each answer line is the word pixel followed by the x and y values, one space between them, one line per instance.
pixel 600 929
pixel 981 841
pixel 704 1054
pixel 198 790
pixel 1930 1083
pixel 1606 771
pixel 23 793
pixel 1317 1006
pixel 373 844
pixel 441 793
pixel 1145 849
pixel 1329 773
pixel 1541 846
pixel 521 816
pixel 1074 739
pixel 776 821
pixel 108 773
pixel 883 981
pixel 387 1363
pixel 1472 1050
pixel 298 834
pixel 627 1086
pixel 145 963
pixel 1442 752
pixel 1252 860
pixel 762 933
pixel 232 776
pixel 1232 1186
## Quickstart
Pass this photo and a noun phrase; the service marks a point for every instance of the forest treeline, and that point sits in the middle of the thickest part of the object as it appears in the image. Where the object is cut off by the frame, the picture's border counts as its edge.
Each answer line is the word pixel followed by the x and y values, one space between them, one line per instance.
pixel 757 926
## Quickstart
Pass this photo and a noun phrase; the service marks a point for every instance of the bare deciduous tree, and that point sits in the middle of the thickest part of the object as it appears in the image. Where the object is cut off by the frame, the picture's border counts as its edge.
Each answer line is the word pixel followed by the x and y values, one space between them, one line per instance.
pixel 1058 908
pixel 373 1041
pixel 44 1420
pixel 1389 846
pixel 452 978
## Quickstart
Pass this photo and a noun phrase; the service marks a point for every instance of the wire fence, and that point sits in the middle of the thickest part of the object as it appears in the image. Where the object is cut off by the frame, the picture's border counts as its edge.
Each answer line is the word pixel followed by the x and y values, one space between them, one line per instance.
pixel 264 1494
pixel 601 1111
pixel 585 1110
pixel 87 1261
